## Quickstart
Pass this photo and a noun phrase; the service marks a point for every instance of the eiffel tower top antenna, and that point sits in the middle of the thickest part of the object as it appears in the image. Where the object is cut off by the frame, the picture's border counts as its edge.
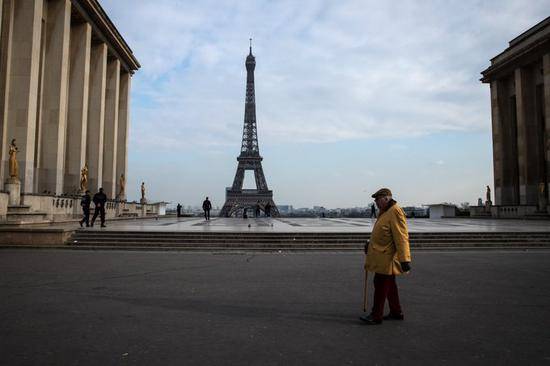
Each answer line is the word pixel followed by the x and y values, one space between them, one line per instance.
pixel 250 45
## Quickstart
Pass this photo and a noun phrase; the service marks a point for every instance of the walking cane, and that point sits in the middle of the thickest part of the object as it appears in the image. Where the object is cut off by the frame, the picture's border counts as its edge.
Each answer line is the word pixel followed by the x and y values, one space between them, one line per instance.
pixel 366 286
pixel 365 291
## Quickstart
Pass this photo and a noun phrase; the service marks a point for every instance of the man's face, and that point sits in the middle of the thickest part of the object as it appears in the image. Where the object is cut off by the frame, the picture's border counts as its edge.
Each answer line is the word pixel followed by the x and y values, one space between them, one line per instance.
pixel 381 202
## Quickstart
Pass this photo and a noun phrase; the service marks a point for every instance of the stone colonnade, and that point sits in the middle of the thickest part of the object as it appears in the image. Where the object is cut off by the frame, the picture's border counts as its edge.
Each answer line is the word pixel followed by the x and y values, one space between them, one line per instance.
pixel 519 81
pixel 65 75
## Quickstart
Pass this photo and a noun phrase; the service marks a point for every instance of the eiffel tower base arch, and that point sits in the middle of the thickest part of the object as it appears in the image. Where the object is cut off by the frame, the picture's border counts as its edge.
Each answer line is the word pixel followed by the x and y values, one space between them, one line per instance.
pixel 237 201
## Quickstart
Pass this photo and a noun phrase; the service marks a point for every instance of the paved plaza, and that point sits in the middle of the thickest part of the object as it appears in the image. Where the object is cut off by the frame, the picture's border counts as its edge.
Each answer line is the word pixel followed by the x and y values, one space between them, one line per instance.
pixel 62 307
pixel 219 224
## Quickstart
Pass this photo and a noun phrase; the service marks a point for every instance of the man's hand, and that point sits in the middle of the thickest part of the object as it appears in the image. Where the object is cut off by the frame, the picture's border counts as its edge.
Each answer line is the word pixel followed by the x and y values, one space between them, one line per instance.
pixel 406 266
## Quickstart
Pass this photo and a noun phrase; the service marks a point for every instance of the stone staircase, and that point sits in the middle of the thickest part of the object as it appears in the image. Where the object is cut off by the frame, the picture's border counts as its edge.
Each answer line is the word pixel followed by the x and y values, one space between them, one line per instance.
pixel 303 241
pixel 22 214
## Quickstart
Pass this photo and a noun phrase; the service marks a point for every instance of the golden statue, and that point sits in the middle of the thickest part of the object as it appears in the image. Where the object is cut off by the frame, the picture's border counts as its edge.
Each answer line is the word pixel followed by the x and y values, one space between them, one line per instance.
pixel 13 164
pixel 84 178
pixel 122 185
pixel 143 191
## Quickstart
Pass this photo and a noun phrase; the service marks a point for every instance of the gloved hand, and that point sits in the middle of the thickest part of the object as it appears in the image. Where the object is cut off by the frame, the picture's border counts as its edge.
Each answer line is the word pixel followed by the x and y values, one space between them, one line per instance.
pixel 406 266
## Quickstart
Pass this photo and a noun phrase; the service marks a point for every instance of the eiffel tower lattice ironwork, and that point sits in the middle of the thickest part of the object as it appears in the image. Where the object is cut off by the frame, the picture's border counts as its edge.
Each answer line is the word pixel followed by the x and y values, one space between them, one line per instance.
pixel 238 199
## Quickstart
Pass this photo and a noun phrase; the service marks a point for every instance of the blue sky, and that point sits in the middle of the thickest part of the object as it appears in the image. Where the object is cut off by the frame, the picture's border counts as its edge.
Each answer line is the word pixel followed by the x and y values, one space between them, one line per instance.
pixel 351 96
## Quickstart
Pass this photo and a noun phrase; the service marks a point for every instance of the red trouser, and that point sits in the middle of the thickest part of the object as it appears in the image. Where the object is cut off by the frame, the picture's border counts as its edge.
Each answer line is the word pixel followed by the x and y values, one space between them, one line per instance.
pixel 385 287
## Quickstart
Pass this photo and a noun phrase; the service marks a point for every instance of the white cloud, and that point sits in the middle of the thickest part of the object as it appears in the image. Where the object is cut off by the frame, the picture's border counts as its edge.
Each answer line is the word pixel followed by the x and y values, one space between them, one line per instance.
pixel 327 71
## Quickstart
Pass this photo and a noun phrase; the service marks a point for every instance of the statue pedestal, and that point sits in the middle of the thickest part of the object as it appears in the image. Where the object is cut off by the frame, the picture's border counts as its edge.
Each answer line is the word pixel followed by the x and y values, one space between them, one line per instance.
pixel 143 210
pixel 143 201
pixel 13 185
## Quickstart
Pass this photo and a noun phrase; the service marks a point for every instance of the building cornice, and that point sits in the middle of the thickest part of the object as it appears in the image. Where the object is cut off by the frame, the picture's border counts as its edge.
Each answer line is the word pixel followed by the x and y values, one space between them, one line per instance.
pixel 105 30
pixel 528 45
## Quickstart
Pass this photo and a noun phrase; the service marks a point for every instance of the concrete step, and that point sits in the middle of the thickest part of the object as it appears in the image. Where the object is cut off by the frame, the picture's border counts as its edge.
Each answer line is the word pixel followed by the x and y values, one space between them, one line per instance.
pixel 98 231
pixel 255 246
pixel 19 209
pixel 297 241
pixel 122 240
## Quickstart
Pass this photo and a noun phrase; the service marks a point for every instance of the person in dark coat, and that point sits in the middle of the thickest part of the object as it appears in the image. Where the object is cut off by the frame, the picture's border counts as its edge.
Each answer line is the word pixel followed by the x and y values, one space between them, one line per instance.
pixel 372 211
pixel 99 199
pixel 178 209
pixel 257 209
pixel 206 206
pixel 85 203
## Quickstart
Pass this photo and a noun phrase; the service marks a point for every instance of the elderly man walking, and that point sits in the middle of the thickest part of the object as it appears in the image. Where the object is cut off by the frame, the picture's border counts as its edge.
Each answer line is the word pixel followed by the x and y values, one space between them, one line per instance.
pixel 387 255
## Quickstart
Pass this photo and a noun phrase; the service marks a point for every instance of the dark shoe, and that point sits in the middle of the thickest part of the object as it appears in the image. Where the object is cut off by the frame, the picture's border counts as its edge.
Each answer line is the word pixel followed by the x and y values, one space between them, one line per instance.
pixel 369 320
pixel 103 225
pixel 80 222
pixel 391 316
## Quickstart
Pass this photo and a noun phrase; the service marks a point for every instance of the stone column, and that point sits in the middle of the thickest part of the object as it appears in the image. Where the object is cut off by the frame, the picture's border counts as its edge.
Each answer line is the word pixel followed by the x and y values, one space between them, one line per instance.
pixel 54 97
pixel 505 145
pixel 23 85
pixel 527 137
pixel 96 116
pixel 6 35
pixel 123 128
pixel 498 169
pixel 77 117
pixel 546 76
pixel 110 134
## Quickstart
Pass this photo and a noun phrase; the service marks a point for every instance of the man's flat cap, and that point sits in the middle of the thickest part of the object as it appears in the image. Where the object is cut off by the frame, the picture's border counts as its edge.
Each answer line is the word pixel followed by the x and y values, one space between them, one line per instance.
pixel 382 192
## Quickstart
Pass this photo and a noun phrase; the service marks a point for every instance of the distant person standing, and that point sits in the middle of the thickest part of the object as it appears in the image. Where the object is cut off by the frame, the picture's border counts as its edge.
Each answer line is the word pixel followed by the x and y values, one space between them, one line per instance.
pixel 372 211
pixel 206 206
pixel 267 210
pixel 257 209
pixel 85 203
pixel 178 210
pixel 100 199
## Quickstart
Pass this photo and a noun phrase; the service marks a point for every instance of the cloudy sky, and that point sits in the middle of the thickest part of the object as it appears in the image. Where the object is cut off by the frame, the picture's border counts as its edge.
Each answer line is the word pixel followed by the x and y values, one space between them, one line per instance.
pixel 351 96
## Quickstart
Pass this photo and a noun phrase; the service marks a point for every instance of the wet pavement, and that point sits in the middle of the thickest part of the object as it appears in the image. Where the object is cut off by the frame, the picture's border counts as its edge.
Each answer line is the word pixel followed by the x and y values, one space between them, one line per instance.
pixel 263 224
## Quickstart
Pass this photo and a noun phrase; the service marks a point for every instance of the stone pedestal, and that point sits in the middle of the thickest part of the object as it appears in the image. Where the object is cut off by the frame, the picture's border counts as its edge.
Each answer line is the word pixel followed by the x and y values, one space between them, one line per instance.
pixel 543 204
pixel 143 201
pixel 143 210
pixel 119 208
pixel 13 185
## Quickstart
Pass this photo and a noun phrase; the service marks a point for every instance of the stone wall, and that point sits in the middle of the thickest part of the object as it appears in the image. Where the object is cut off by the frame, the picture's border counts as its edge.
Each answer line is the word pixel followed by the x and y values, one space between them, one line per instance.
pixel 64 208
pixel 513 211
pixel 4 197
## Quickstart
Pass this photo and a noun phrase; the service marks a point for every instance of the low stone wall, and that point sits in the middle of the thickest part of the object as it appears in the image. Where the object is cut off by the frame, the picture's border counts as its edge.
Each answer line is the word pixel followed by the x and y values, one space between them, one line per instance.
pixel 4 197
pixel 34 236
pixel 67 208
pixel 56 208
pixel 480 211
pixel 512 211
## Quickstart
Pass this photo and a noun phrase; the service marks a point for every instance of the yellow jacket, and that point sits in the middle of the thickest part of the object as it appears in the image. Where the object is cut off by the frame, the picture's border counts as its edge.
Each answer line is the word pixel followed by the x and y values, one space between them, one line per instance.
pixel 389 243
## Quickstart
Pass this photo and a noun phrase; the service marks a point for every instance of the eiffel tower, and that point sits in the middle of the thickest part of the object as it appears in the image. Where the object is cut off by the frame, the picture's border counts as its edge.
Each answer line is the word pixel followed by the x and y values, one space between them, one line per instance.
pixel 238 199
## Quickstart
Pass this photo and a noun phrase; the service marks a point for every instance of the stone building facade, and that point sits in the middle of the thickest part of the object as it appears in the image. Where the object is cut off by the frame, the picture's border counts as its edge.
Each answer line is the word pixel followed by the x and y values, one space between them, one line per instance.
pixel 65 75
pixel 519 79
